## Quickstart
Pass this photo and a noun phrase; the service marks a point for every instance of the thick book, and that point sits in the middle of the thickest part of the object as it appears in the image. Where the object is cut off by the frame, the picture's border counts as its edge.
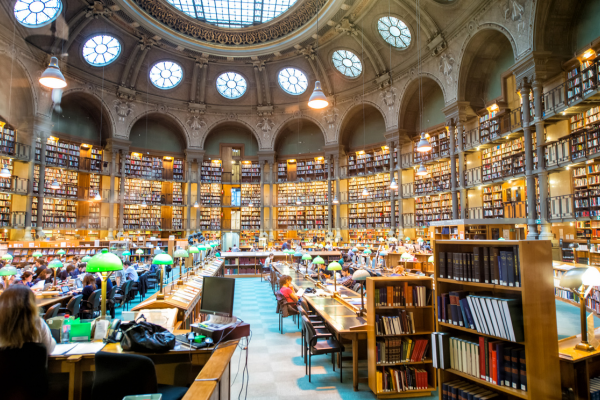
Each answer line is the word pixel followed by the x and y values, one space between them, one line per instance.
pixel 500 362
pixel 442 264
pixel 450 265
pixel 477 263
pixel 506 354
pixel 503 267
pixel 486 265
pixel 494 268
pixel 522 370
pixel 517 266
pixel 510 267
pixel 513 314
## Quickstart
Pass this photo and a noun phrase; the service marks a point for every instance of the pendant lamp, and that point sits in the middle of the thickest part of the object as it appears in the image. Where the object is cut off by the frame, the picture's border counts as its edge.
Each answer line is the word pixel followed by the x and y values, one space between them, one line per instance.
pixel 144 204
pixel 422 171
pixel 97 197
pixel 55 185
pixel 335 200
pixel 317 98
pixel 4 173
pixel 196 205
pixel 393 184
pixel 52 78
pixel 423 144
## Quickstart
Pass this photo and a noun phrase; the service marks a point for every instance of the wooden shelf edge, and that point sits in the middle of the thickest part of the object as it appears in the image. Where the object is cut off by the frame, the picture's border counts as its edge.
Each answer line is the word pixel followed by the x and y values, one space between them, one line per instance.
pixel 484 285
pixel 505 389
pixel 462 328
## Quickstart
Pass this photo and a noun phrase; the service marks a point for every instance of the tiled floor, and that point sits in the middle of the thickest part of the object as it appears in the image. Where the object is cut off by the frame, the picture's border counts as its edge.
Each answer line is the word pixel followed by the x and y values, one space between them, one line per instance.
pixel 275 366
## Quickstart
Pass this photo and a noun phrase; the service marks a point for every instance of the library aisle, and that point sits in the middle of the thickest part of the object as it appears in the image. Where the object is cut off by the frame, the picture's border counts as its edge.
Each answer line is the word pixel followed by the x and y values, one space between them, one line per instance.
pixel 276 368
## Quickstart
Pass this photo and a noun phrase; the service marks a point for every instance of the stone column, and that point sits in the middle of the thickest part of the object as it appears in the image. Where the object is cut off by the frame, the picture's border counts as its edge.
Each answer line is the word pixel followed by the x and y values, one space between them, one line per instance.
pixel 392 230
pixel 198 188
pixel 194 86
pixel 41 187
pixel 546 233
pixel 122 191
pixel 330 189
pixel 259 95
pixel 202 96
pixel 111 199
pixel 338 217
pixel 266 83
pixel 461 170
pixel 188 179
pixel 399 202
pixel 262 200
pixel 451 129
pixel 272 173
pixel 525 89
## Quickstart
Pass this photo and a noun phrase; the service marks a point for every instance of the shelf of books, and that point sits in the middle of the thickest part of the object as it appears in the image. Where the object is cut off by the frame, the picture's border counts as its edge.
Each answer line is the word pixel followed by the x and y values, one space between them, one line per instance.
pixel 57 213
pixel 211 171
pixel 136 217
pixel 300 217
pixel 433 208
pixel 177 195
pixel 250 172
pixel 502 160
pixel 307 193
pixel 210 194
pixel 59 152
pixel 140 190
pixel 282 172
pixel 420 157
pixel 5 204
pixel 248 237
pixel 6 183
pixel 210 218
pixel 8 138
pixel 369 215
pixel 378 187
pixel 574 89
pixel 586 190
pixel 312 169
pixel 177 218
pixel 250 195
pixel 492 201
pixel 365 162
pixel 250 218
pixel 496 318
pixel 68 181
pixel 367 236
pixel 438 179
pixel 489 125
pixel 400 321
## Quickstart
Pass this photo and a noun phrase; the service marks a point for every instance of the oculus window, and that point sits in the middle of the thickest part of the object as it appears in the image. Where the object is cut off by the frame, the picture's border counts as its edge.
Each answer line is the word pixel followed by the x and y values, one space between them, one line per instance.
pixel 394 31
pixel 166 74
pixel 233 13
pixel 231 85
pixel 292 81
pixel 347 63
pixel 101 50
pixel 36 13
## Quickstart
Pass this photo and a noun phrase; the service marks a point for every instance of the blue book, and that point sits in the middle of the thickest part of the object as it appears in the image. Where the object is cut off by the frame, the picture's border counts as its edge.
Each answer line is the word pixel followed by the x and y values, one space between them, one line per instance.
pixel 464 306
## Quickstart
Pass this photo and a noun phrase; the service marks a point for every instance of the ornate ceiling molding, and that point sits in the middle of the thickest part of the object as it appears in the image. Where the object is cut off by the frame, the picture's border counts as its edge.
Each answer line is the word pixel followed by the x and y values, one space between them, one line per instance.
pixel 287 23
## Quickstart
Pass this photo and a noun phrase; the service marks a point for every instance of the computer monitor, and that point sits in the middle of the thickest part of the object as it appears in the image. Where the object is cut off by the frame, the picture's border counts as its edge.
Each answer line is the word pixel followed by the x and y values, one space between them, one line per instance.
pixel 217 296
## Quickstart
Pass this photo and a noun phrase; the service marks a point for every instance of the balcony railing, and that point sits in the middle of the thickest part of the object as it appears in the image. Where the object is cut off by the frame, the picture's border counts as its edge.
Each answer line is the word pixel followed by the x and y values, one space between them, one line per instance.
pixel 471 138
pixel 408 189
pixel 515 120
pixel 557 153
pixel 406 160
pixel 475 212
pixel 137 198
pixel 17 219
pixel 473 176
pixel 14 185
pixel 566 207
pixel 22 152
pixel 554 100
pixel 408 220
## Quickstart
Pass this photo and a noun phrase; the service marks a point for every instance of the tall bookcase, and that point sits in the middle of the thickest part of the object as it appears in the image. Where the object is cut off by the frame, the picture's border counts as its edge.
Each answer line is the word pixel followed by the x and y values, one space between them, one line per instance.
pixel 536 292
pixel 424 324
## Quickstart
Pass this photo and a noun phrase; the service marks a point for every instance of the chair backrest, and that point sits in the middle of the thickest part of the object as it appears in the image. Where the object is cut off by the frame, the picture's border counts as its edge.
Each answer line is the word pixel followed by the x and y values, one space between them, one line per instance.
pixel 33 358
pixel 74 304
pixel 309 329
pixel 304 305
pixel 111 294
pixel 52 311
pixel 135 373
pixel 357 286
pixel 94 299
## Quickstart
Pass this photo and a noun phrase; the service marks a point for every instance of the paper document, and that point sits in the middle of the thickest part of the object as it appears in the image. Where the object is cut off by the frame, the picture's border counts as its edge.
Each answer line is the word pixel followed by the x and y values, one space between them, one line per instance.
pixel 300 292
pixel 61 349
pixel 86 348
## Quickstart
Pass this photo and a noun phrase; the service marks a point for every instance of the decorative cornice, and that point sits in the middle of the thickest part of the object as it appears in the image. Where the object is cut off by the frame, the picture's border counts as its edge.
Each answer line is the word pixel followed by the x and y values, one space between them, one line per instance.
pixel 282 26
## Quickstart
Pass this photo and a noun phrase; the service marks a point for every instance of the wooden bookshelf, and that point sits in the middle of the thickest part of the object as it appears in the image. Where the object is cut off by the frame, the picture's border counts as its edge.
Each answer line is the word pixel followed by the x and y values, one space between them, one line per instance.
pixel 367 236
pixel 365 162
pixel 312 169
pixel 433 208
pixel 58 213
pixel 489 125
pixel 210 218
pixel 210 194
pixel 502 160
pixel 8 138
pixel 378 186
pixel 369 215
pixel 5 208
pixel 300 217
pixel 250 172
pixel 438 179
pixel 250 195
pixel 308 193
pixel 574 88
pixel 424 324
pixel 211 171
pixel 250 218
pixel 536 291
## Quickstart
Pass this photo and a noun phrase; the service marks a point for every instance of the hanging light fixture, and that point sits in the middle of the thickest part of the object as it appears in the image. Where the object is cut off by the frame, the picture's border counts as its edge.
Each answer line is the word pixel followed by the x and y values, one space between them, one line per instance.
pixel 55 185
pixel 97 197
pixel 335 200
pixel 393 184
pixel 317 100
pixel 422 171
pixel 423 144
pixel 144 204
pixel 52 78
pixel 298 201
pixel 196 205
pixel 4 172
pixel 365 192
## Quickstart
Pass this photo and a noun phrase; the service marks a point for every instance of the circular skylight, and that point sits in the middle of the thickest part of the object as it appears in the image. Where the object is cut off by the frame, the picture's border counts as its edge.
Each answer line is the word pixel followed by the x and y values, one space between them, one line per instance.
pixel 166 74
pixel 101 50
pixel 36 13
pixel 292 80
pixel 233 13
pixel 231 85
pixel 347 63
pixel 394 31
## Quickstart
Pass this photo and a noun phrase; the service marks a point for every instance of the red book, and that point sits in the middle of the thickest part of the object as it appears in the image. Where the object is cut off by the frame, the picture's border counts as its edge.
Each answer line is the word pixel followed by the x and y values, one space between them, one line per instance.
pixel 494 363
pixel 482 357
pixel 415 351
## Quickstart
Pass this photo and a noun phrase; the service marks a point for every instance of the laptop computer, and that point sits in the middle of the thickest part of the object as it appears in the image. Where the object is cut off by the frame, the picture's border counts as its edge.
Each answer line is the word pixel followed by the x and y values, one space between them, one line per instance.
pixel 65 289
pixel 78 284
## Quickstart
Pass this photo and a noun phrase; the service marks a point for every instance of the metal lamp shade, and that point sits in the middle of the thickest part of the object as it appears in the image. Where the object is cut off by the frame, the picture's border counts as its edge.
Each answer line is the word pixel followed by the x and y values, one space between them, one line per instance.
pixel 318 100
pixel 8 271
pixel 576 277
pixel 180 253
pixel 423 144
pixel 307 257
pixel 193 250
pixel 52 78
pixel 383 253
pixel 360 275
pixel 297 254
pixel 318 260
pixel 406 256
pixel 37 254
pixel 162 259
pixel 61 252
pixel 126 253
pixel 104 262
pixel 139 251
pixel 430 259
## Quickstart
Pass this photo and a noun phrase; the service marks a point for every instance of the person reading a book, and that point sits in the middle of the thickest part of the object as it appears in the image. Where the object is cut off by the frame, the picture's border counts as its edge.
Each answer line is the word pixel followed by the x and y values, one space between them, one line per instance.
pixel 285 282
pixel 20 322
pixel 26 279
pixel 346 279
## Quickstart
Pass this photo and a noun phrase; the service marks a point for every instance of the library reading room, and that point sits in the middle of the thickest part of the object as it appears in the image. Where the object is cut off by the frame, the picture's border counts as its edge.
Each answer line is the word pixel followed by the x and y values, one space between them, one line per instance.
pixel 300 199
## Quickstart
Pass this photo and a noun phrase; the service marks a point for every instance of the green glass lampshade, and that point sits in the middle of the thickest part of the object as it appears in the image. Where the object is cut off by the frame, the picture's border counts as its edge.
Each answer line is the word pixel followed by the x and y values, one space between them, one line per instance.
pixel 307 257
pixel 321 245
pixel 139 251
pixel 430 259
pixel 193 250
pixel 37 254
pixel 86 259
pixel 367 251
pixel 355 249
pixel 126 253
pixel 180 253
pixel 158 251
pixel 407 239
pixel 420 240
pixel 318 260
pixel 334 266
pixel 383 253
pixel 297 254
pixel 406 256
pixel 501 238
pixel 61 252
pixel 104 262
pixel 8 271
pixel 7 257
pixel 213 245
pixel 360 275
pixel 162 259
pixel 56 264
pixel 202 247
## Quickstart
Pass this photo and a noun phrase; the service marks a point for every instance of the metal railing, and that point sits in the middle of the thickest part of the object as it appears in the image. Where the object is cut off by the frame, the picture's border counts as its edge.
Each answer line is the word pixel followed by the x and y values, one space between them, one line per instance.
pixel 303 200
pixel 473 176
pixel 408 189
pixel 145 224
pixel 408 220
pixel 14 185
pixel 21 151
pixel 406 160
pixel 515 120
pixel 565 207
pixel 557 152
pixel 471 138
pixel 554 99
pixel 17 219
pixel 474 212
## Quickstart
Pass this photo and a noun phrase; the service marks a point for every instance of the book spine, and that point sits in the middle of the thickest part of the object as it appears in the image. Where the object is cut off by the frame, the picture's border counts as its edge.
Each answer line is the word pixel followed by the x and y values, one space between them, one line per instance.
pixel 523 370
pixel 486 265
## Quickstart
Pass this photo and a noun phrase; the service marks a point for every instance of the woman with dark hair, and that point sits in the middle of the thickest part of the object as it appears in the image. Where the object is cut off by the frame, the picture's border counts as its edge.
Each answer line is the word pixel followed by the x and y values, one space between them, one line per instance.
pixel 44 275
pixel 66 272
pixel 89 286
pixel 27 279
pixel 19 320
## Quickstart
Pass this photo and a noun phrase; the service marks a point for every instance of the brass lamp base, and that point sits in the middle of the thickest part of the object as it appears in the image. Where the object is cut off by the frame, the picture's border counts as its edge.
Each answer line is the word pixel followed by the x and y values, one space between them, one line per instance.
pixel 584 346
pixel 160 296
pixel 179 282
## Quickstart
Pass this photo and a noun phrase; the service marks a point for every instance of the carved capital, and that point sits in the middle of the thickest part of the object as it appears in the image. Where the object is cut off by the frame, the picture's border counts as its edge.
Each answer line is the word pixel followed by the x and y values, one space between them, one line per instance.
pixel 346 27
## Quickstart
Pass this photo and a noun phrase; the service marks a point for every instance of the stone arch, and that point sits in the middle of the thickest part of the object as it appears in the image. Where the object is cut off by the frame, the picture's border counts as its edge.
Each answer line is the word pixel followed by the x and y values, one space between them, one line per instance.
pixel 358 103
pixel 477 46
pixel 231 122
pixel 292 124
pixel 19 86
pixel 162 117
pixel 354 115
pixel 409 110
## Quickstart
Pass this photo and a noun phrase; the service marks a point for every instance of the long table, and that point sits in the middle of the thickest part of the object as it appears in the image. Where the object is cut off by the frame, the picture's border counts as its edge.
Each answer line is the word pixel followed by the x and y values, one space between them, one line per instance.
pixel 339 316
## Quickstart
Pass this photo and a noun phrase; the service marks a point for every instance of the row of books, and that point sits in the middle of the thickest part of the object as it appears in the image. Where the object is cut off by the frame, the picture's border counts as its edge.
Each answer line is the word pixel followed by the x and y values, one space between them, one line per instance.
pixel 401 379
pixel 498 266
pixel 400 324
pixel 403 295
pixel 595 388
pixel 493 361
pixel 391 351
pixel 493 316
pixel 464 390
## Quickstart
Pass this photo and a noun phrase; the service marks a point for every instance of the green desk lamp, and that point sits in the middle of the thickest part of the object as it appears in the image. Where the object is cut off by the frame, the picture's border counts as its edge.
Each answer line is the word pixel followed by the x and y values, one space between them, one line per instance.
pixel 37 254
pixel 181 254
pixel 9 270
pixel 86 259
pixel 193 250
pixel 126 253
pixel 139 253
pixel 105 263
pixel 55 265
pixel 318 260
pixel 577 279
pixel 7 257
pixel 61 252
pixel 202 248
pixel 162 259
pixel 334 266
pixel 359 276
pixel 299 256
pixel 307 257
pixel 368 253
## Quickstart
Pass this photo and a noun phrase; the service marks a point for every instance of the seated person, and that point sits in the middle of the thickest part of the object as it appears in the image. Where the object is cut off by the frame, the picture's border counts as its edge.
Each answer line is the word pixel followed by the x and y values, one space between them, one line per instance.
pixel 109 284
pixel 346 279
pixel 328 246
pixel 45 276
pixel 89 286
pixel 287 290
pixel 153 268
pixel 324 274
pixel 66 272
pixel 19 320
pixel 26 279
pixel 130 272
pixel 269 260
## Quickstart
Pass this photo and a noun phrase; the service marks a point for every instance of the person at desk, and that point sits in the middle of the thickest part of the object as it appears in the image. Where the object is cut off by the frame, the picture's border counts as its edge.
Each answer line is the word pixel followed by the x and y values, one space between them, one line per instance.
pixel 45 276
pixel 109 284
pixel 66 272
pixel 40 265
pixel 26 279
pixel 287 245
pixel 285 282
pixel 20 322
pixel 328 246
pixel 235 248
pixel 346 279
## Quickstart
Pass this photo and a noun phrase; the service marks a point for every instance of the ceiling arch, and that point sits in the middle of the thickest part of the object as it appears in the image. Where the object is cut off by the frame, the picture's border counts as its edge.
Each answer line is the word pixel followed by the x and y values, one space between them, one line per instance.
pixel 239 132
pixel 432 92
pixel 299 135
pixel 359 129
pixel 161 131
